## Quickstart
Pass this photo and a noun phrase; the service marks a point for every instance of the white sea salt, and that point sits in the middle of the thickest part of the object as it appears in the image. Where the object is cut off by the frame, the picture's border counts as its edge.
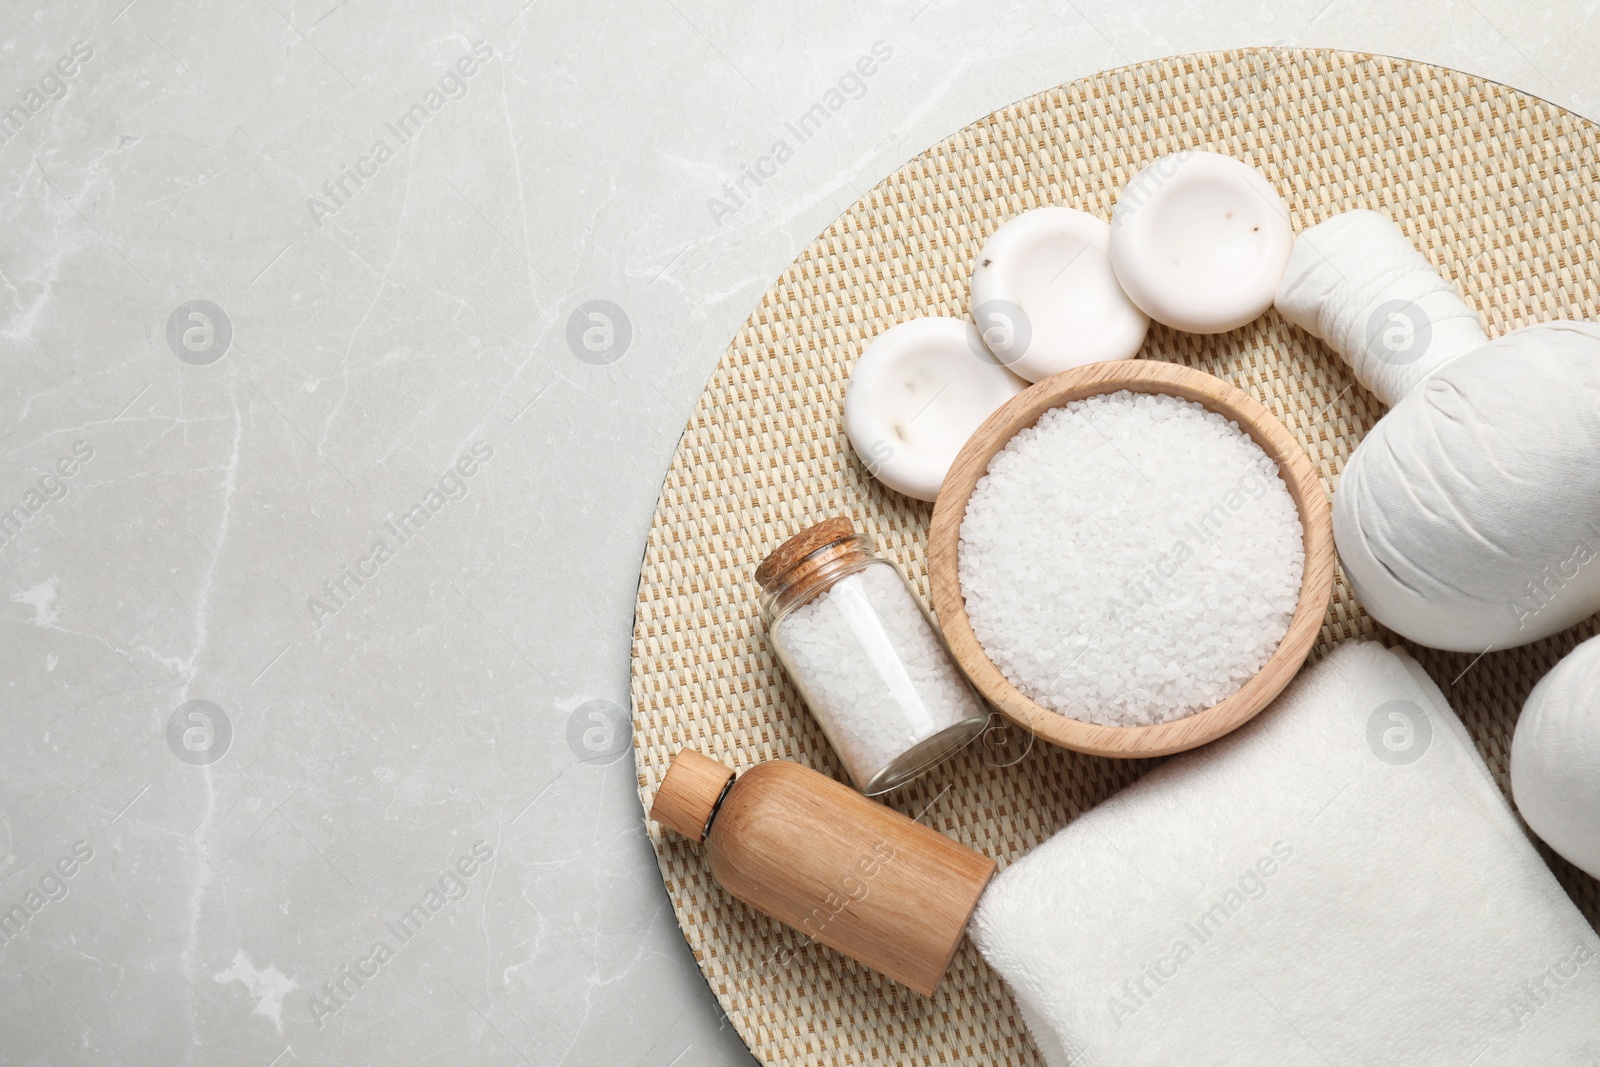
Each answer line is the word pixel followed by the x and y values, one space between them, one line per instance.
pixel 1130 559
pixel 874 673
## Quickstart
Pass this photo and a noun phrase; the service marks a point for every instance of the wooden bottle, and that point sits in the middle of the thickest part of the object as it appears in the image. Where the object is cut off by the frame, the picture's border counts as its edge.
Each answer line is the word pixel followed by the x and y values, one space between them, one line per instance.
pixel 843 870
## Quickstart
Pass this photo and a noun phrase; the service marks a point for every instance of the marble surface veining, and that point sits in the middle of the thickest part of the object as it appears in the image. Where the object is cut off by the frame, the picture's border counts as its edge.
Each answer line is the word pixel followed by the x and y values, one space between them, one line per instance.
pixel 345 346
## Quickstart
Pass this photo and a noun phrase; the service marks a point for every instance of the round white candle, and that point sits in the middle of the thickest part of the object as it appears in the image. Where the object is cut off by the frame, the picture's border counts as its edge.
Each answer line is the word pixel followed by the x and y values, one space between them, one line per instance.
pixel 1200 241
pixel 1045 298
pixel 916 394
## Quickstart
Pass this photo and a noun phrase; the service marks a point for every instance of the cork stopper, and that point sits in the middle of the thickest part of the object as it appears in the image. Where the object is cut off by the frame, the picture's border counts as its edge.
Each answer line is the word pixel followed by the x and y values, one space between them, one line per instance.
pixel 786 556
pixel 688 795
pixel 799 568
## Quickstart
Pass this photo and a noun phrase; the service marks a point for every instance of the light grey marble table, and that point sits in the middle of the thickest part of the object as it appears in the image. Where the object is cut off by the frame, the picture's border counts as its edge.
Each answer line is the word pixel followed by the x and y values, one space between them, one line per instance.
pixel 325 480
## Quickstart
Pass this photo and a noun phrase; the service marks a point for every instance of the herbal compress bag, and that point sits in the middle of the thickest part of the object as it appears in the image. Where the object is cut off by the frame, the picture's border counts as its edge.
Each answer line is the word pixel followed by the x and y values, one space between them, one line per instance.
pixel 1555 758
pixel 1469 517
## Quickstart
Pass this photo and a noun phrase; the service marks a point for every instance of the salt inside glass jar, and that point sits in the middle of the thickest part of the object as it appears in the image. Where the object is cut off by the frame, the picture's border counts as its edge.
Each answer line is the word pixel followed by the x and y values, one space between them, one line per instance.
pixel 865 656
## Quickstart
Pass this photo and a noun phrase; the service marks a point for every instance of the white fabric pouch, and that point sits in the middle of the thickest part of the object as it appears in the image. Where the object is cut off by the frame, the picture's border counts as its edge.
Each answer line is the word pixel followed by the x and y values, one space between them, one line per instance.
pixel 1339 882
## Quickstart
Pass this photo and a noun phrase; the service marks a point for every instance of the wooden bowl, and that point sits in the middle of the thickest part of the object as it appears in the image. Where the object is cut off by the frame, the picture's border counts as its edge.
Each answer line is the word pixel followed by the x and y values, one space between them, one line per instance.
pixel 1146 376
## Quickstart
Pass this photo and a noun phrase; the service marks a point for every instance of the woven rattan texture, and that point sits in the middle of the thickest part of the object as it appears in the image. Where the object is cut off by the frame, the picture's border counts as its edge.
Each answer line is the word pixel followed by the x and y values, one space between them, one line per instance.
pixel 1499 189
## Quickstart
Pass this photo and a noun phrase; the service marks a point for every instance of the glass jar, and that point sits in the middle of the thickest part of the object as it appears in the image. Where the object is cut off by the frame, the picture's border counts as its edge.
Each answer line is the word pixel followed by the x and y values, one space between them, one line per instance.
pixel 865 656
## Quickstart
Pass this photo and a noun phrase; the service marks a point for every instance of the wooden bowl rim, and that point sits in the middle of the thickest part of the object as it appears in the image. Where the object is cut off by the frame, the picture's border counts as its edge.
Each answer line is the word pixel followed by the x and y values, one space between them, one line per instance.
pixel 1140 375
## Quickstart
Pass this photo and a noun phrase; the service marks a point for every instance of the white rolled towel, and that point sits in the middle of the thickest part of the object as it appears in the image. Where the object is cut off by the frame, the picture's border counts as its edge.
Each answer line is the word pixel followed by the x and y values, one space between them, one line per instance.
pixel 1338 882
pixel 1355 282
pixel 1555 759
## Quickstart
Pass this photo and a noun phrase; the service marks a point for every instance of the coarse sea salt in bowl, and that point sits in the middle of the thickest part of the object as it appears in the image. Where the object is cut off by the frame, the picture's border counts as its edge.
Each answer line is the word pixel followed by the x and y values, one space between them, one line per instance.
pixel 1226 607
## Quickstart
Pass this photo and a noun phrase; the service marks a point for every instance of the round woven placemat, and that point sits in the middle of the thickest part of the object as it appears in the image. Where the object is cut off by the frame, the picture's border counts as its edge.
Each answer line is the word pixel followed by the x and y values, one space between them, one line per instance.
pixel 1498 188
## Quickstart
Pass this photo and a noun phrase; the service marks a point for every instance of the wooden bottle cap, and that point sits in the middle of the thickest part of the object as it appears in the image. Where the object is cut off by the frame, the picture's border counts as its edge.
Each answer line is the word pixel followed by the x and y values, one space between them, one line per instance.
pixel 688 795
pixel 797 548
